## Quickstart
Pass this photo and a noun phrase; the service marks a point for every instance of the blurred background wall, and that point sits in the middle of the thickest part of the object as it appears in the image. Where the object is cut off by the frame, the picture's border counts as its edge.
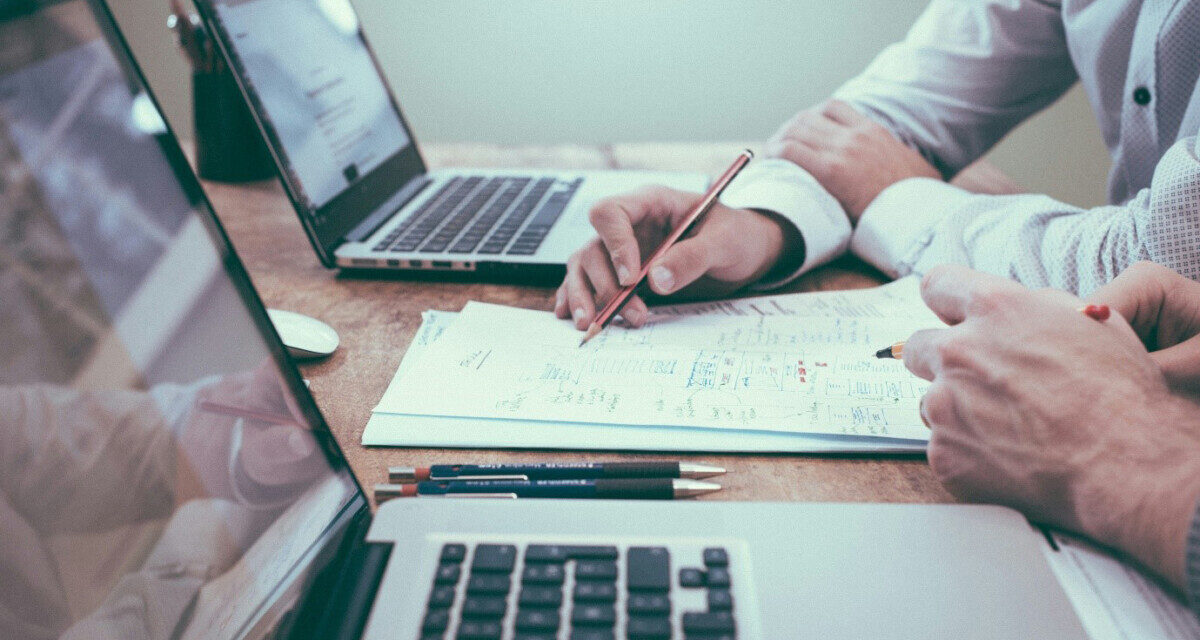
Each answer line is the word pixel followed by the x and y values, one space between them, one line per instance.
pixel 589 71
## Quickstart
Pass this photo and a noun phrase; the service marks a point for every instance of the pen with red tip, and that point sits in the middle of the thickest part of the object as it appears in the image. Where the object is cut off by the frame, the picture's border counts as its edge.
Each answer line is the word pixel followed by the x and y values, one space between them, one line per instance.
pixel 1097 312
pixel 615 305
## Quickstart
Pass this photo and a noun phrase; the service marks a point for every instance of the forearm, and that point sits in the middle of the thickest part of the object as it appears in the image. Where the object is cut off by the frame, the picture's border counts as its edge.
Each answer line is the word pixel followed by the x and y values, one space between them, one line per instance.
pixel 1143 498
pixel 964 76
pixel 917 224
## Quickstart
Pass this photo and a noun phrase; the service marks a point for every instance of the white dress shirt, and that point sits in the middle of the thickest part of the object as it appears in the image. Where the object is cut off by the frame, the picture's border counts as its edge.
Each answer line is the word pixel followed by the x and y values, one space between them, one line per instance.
pixel 967 73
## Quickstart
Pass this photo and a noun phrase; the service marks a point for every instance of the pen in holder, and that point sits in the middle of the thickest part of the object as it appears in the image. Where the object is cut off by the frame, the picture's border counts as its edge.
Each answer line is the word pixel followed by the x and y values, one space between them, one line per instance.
pixel 229 146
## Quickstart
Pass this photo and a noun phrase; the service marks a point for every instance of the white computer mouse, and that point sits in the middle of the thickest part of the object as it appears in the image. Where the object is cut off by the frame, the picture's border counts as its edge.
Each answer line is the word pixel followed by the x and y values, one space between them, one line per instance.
pixel 305 338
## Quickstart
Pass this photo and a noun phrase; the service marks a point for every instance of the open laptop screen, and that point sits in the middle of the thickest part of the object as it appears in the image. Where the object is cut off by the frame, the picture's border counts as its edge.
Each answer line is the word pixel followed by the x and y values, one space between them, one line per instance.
pixel 162 474
pixel 329 117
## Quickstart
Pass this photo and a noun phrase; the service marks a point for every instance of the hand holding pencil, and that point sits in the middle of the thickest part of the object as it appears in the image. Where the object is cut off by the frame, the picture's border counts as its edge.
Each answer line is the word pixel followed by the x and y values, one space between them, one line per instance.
pixel 726 250
pixel 702 207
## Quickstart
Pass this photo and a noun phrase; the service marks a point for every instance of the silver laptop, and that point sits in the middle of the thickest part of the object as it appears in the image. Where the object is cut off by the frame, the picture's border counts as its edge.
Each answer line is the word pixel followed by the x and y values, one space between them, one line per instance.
pixel 166 473
pixel 349 162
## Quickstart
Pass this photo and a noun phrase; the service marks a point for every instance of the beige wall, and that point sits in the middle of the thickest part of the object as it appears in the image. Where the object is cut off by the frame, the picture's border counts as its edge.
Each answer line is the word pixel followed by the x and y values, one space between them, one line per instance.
pixel 516 71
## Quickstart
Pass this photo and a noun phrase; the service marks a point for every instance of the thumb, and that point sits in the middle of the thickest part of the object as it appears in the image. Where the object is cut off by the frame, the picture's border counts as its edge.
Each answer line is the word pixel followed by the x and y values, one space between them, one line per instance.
pixel 1180 364
pixel 681 265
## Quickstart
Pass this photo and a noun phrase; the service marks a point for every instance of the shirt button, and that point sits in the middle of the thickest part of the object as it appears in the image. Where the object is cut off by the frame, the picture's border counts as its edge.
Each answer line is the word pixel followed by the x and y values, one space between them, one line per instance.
pixel 1141 96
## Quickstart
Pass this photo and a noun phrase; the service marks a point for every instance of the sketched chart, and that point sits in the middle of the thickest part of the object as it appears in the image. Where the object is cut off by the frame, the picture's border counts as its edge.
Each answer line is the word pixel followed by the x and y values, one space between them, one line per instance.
pixel 754 373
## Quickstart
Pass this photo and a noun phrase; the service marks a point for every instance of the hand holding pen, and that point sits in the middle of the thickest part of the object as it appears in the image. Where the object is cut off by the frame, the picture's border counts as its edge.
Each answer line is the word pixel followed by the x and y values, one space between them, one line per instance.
pixel 727 249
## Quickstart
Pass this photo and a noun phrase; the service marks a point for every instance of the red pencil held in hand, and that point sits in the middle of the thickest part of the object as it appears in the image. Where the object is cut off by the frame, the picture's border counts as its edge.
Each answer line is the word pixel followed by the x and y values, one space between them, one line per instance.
pixel 1097 312
pixel 614 306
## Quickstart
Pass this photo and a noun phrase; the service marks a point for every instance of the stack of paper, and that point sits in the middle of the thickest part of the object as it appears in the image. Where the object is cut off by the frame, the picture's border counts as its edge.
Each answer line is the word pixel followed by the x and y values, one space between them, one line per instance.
pixel 778 373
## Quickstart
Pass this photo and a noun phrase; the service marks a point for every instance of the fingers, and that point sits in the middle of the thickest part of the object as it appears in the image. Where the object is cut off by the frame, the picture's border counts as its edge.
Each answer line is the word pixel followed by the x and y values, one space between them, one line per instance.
pixel 953 292
pixel 589 284
pixel 842 113
pixel 685 262
pixel 1162 306
pixel 920 353
pixel 1180 365
pixel 615 220
pixel 580 296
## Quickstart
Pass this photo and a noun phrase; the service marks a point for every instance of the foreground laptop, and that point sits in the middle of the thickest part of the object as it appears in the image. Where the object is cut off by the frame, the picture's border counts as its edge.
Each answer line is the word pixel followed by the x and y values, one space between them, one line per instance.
pixel 164 472
pixel 349 162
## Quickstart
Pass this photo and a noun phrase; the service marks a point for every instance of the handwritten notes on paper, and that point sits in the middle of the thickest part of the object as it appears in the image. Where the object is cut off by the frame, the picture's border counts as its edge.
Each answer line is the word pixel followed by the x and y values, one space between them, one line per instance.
pixel 800 363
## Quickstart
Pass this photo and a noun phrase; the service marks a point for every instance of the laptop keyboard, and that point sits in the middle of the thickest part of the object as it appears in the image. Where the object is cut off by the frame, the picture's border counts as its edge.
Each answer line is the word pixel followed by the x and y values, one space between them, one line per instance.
pixel 507 214
pixel 578 592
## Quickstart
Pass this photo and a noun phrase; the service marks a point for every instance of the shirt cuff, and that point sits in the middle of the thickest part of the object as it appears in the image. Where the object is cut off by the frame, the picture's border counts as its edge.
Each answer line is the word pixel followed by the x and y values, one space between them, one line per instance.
pixel 783 188
pixel 1191 570
pixel 899 223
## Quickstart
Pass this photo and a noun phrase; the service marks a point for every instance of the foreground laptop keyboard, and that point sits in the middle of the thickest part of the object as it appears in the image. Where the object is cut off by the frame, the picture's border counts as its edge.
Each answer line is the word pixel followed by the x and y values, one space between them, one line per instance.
pixel 577 592
pixel 507 214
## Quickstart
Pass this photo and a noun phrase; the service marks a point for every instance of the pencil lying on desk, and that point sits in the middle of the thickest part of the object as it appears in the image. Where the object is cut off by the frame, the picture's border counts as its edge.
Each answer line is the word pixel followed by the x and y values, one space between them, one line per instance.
pixel 1097 312
pixel 615 305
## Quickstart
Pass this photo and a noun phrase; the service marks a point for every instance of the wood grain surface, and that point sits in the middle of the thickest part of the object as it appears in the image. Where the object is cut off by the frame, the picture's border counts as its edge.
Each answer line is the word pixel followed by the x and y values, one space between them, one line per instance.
pixel 378 317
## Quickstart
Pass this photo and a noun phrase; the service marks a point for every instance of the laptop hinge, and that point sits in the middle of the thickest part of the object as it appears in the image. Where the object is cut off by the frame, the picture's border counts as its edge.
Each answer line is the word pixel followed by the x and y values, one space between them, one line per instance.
pixel 386 210
pixel 338 603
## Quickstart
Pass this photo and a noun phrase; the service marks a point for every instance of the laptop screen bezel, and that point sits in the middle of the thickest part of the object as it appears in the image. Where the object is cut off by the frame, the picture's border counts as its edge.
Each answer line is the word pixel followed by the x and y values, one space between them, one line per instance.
pixel 282 596
pixel 348 209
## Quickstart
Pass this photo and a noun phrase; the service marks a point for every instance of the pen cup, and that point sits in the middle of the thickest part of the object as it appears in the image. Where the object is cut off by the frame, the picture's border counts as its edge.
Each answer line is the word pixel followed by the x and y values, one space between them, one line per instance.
pixel 229 145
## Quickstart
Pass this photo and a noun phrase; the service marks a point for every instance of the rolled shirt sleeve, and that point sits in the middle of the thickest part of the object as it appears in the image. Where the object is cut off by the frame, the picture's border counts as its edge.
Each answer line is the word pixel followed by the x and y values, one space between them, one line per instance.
pixel 786 190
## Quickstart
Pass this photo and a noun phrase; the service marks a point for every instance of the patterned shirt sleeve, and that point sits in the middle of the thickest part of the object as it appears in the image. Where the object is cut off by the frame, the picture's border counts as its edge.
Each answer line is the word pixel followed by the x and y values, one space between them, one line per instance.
pixel 918 223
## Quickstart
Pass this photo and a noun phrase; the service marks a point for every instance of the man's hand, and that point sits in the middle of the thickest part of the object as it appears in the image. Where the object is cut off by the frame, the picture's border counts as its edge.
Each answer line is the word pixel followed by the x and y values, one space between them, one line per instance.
pixel 854 158
pixel 728 249
pixel 1164 309
pixel 1036 406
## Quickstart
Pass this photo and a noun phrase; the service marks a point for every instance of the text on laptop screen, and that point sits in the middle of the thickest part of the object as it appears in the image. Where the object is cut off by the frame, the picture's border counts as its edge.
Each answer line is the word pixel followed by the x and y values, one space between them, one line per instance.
pixel 313 76
pixel 159 475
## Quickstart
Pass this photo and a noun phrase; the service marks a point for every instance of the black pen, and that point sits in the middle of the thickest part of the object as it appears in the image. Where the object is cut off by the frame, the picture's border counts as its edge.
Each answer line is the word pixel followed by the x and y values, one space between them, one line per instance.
pixel 612 489
pixel 554 471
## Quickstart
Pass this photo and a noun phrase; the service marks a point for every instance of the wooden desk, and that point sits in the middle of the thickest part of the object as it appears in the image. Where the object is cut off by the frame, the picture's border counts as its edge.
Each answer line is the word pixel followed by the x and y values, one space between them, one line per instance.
pixel 377 318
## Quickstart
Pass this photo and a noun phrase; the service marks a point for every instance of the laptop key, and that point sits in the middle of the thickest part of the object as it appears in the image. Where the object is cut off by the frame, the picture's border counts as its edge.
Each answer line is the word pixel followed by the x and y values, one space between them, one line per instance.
pixel 654 604
pixel 441 597
pixel 718 577
pixel 477 607
pixel 592 591
pixel 537 619
pixel 691 578
pixel 592 552
pixel 479 630
pixel 488 584
pixel 591 634
pixel 639 628
pixel 720 600
pixel 707 622
pixel 716 557
pixel 594 615
pixel 454 553
pixel 595 570
pixel 494 558
pixel 546 553
pixel 648 569
pixel 539 596
pixel 447 574
pixel 436 620
pixel 543 574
